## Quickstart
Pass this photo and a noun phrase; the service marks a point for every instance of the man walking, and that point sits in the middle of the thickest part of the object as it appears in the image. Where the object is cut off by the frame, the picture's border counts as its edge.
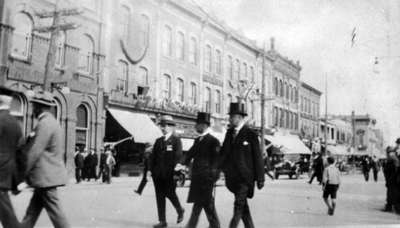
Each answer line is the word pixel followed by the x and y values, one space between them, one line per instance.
pixel 242 164
pixel 390 171
pixel 318 169
pixel 10 139
pixel 45 163
pixel 204 153
pixel 366 167
pixel 167 151
pixel 79 164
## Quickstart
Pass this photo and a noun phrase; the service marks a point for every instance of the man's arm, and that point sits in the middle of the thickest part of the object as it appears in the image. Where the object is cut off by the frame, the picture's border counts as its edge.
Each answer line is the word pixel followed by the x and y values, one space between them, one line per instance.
pixel 178 150
pixel 257 159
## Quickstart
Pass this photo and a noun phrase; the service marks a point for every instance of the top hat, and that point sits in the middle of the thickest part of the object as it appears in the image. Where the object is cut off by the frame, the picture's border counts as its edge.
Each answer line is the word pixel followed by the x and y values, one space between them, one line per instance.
pixel 43 98
pixel 6 91
pixel 398 141
pixel 203 117
pixel 167 120
pixel 237 108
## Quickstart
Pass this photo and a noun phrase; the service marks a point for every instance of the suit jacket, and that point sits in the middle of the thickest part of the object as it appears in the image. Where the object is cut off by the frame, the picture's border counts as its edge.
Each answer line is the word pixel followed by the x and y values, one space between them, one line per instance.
pixel 45 156
pixel 204 153
pixel 10 141
pixel 241 159
pixel 165 155
pixel 79 160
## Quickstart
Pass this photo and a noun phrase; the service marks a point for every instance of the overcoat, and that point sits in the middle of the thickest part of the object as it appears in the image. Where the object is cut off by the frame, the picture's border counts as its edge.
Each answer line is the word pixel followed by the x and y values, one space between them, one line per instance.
pixel 204 172
pixel 165 155
pixel 241 160
pixel 10 141
pixel 45 165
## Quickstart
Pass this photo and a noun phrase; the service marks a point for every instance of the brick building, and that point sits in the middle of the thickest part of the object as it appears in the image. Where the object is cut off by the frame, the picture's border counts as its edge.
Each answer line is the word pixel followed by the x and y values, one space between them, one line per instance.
pixel 309 111
pixel 77 63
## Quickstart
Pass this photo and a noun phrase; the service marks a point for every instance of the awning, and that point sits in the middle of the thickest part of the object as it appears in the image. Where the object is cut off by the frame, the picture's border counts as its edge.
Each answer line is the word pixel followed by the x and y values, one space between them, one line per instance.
pixel 186 143
pixel 338 150
pixel 139 125
pixel 289 144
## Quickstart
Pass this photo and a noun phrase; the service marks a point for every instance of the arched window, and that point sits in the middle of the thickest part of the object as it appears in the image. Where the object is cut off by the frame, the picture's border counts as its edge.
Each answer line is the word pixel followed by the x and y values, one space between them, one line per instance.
pixel 290 93
pixel 82 126
pixel 18 109
pixel 244 70
pixel 252 75
pixel 60 44
pixel 286 90
pixel 276 87
pixel 193 51
pixel 57 110
pixel 237 69
pixel 218 61
pixel 230 67
pixel 207 100
pixel 281 117
pixel 167 41
pixel 276 116
pixel 166 92
pixel 252 109
pixel 22 36
pixel 180 46
pixel 281 89
pixel 125 22
pixel 193 96
pixel 217 101
pixel 122 77
pixel 207 58
pixel 287 118
pixel 144 29
pixel 143 76
pixel 181 90
pixel 85 54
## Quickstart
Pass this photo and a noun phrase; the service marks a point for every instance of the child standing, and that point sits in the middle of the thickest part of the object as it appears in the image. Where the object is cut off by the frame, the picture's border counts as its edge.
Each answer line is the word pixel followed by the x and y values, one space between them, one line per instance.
pixel 331 182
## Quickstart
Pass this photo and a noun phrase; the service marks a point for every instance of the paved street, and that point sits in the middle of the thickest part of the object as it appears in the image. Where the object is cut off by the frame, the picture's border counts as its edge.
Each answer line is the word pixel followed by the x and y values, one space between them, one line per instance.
pixel 282 203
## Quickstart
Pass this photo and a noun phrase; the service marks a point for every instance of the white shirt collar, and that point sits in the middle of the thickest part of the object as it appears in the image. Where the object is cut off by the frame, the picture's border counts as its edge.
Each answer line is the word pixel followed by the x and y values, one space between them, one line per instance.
pixel 239 127
pixel 167 136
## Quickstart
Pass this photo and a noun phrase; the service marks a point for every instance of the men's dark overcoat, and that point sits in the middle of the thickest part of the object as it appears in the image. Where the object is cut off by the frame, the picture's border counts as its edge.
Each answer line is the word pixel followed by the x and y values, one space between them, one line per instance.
pixel 241 159
pixel 165 155
pixel 79 161
pixel 204 153
pixel 10 140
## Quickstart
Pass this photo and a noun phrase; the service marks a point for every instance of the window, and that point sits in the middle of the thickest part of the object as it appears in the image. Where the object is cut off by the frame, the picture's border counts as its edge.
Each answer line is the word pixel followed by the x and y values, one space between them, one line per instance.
pixel 167 41
pixel 60 44
pixel 207 59
pixel 207 99
pixel 276 116
pixel 82 126
pixel 218 61
pixel 253 78
pixel 217 101
pixel 193 96
pixel 237 69
pixel 17 109
pixel 296 121
pixel 180 46
pixel 296 95
pixel 290 93
pixel 244 70
pixel 229 101
pixel 193 51
pixel 281 88
pixel 252 107
pixel 22 36
pixel 85 54
pixel 230 67
pixel 144 30
pixel 166 92
pixel 286 90
pixel 282 117
pixel 287 119
pixel 143 76
pixel 124 23
pixel 180 90
pixel 122 78
pixel 276 87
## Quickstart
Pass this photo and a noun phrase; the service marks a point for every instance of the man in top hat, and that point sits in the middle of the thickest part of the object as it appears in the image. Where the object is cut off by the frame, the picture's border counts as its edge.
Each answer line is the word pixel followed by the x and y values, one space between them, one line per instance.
pixel 10 140
pixel 167 152
pixel 45 165
pixel 242 164
pixel 205 154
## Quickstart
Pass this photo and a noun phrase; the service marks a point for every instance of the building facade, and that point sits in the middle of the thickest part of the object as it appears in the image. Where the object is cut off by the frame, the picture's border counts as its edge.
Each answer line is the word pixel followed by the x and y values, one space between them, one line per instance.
pixel 77 60
pixel 309 111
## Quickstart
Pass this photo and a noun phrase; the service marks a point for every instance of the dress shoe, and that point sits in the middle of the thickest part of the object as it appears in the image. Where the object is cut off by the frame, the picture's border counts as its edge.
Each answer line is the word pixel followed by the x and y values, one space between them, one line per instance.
pixel 180 216
pixel 139 193
pixel 160 225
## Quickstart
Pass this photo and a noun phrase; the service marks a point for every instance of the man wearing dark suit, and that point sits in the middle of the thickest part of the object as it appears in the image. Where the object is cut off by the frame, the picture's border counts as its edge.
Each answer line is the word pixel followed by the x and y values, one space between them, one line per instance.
pixel 79 164
pixel 45 165
pixel 10 139
pixel 204 153
pixel 242 164
pixel 167 151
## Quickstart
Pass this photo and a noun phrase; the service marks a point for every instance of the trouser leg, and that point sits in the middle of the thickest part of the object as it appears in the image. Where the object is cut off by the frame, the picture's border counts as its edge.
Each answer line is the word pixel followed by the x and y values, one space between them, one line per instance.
pixel 194 217
pixel 52 204
pixel 239 205
pixel 142 184
pixel 33 211
pixel 172 196
pixel 7 215
pixel 160 198
pixel 246 217
pixel 375 175
pixel 211 214
pixel 78 175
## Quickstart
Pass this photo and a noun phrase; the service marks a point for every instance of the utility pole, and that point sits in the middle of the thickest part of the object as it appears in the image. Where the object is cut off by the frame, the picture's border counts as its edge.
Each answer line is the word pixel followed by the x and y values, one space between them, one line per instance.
pixel 326 116
pixel 54 30
pixel 263 101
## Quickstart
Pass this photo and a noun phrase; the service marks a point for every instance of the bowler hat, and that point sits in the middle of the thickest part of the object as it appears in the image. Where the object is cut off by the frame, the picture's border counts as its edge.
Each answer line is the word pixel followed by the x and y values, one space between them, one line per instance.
pixel 167 120
pixel 43 98
pixel 237 108
pixel 6 91
pixel 203 117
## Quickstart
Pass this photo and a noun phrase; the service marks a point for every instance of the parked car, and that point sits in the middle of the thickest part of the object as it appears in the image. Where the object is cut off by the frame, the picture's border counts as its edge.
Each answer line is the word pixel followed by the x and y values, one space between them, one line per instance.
pixel 287 167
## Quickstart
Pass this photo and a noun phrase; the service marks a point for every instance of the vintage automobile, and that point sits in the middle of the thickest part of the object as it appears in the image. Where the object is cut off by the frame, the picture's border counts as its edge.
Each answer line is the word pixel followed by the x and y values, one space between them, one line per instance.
pixel 286 167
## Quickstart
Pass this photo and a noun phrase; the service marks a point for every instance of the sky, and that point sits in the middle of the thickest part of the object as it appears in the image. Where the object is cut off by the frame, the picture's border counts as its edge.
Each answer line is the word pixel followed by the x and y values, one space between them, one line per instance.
pixel 319 34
